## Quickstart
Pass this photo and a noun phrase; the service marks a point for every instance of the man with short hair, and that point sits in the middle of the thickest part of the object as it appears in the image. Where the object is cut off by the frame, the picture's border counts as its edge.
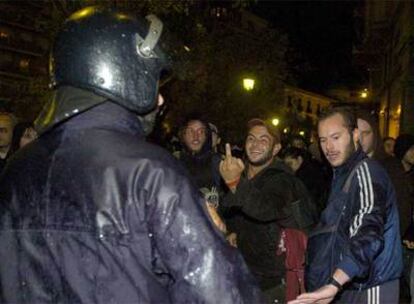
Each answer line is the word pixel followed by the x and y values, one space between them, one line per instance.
pixel 389 143
pixel 372 145
pixel 215 137
pixel 404 152
pixel 355 251
pixel 257 206
pixel 7 123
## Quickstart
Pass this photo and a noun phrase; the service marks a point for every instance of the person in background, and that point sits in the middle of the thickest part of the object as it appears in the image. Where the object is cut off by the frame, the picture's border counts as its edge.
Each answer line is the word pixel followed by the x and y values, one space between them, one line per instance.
pixel 200 159
pixel 372 145
pixel 23 134
pixel 404 152
pixel 310 172
pixel 297 141
pixel 215 137
pixel 7 124
pixel 389 143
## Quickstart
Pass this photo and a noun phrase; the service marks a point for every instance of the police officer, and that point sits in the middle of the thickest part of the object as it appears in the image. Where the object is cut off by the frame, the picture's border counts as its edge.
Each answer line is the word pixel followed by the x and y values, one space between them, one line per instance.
pixel 98 215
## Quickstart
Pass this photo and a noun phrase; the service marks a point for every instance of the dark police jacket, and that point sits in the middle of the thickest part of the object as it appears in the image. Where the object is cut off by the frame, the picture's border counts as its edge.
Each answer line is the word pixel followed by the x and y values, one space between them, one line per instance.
pixel 92 213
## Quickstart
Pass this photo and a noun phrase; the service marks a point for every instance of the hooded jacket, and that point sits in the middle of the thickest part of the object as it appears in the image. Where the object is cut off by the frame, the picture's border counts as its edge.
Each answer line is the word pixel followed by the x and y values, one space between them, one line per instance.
pixel 395 171
pixel 203 165
pixel 91 213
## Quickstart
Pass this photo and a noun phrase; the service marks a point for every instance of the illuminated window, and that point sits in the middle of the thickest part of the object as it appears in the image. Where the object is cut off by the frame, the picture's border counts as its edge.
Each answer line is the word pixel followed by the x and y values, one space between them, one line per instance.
pixel 24 64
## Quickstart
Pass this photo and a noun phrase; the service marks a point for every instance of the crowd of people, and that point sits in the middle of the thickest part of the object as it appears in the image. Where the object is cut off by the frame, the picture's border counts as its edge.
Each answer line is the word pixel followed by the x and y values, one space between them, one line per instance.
pixel 92 212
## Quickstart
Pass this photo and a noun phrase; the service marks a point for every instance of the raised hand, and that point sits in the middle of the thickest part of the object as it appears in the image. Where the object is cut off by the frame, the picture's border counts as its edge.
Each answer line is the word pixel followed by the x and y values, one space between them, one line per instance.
pixel 231 167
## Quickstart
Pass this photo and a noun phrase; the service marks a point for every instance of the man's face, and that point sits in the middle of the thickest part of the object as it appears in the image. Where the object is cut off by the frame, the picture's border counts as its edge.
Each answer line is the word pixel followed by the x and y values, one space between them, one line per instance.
pixel 6 131
pixel 293 163
pixel 215 139
pixel 194 135
pixel 366 136
pixel 259 146
pixel 336 142
pixel 28 136
pixel 298 143
pixel 389 146
pixel 409 156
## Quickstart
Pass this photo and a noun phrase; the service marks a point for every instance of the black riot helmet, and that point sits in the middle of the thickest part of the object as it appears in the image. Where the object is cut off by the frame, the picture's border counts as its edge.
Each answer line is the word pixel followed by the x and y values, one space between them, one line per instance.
pixel 112 54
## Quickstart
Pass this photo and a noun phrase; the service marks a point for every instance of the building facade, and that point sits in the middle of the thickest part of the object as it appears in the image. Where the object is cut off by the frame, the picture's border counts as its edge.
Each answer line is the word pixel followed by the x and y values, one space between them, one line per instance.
pixel 23 49
pixel 386 51
pixel 301 111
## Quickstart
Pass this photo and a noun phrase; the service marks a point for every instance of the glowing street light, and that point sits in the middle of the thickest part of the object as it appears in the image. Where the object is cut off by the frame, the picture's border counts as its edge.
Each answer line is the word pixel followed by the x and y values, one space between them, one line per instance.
pixel 364 93
pixel 275 121
pixel 248 84
pixel 302 133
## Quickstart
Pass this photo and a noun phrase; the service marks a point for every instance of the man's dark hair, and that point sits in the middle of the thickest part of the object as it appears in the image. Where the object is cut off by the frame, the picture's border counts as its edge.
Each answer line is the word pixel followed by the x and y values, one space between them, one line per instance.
pixel 190 118
pixel 294 152
pixel 12 117
pixel 347 114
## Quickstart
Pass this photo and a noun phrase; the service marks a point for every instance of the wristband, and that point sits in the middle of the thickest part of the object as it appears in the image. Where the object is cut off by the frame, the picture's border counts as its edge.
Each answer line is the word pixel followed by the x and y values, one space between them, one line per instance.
pixel 233 183
pixel 335 283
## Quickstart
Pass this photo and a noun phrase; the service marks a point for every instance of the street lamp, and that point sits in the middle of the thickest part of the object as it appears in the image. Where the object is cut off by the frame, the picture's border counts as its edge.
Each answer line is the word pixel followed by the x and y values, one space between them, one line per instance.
pixel 302 133
pixel 275 121
pixel 364 93
pixel 248 84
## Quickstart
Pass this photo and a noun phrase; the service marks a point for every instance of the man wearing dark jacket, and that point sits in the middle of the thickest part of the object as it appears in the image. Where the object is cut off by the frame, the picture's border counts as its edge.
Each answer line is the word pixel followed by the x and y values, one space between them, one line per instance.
pixel 258 205
pixel 355 251
pixel 372 145
pixel 199 158
pixel 7 123
pixel 90 212
pixel 310 172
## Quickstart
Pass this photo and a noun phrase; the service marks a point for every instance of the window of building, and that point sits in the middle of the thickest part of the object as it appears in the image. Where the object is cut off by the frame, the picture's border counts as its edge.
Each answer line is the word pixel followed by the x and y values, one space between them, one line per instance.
pixel 289 101
pixel 4 34
pixel 24 64
pixel 300 107
pixel 308 107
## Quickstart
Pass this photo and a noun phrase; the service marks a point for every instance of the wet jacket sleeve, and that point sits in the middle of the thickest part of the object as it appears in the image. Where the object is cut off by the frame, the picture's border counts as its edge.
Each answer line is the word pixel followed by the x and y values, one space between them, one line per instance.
pixel 263 202
pixel 202 266
pixel 366 230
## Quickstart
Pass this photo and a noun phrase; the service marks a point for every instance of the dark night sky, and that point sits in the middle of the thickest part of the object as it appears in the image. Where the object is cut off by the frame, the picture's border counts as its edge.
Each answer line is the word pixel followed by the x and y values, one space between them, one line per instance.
pixel 321 33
